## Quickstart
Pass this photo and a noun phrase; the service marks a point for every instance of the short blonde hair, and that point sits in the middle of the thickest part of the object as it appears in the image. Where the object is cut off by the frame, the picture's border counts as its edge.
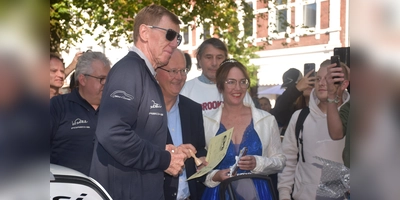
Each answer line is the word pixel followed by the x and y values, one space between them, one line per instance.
pixel 344 67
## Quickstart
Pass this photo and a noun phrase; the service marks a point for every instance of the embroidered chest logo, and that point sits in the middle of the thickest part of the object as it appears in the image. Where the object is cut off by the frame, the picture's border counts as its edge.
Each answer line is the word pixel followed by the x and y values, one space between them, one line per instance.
pixel 79 123
pixel 155 105
pixel 121 95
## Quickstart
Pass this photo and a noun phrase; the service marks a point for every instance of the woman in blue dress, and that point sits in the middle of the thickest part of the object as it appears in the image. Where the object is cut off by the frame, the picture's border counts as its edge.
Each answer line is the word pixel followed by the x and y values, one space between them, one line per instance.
pixel 253 128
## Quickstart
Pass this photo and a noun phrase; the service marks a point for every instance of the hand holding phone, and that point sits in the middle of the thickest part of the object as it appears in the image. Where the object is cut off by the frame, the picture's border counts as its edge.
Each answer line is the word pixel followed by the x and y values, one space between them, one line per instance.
pixel 335 59
pixel 309 67
pixel 234 168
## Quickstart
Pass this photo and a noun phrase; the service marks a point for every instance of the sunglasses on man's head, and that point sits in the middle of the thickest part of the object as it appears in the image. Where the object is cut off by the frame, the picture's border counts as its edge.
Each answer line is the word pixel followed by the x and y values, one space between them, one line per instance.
pixel 171 34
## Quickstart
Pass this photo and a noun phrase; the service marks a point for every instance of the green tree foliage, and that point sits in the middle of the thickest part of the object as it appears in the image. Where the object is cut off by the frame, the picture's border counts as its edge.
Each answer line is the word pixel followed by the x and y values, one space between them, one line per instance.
pixel 70 19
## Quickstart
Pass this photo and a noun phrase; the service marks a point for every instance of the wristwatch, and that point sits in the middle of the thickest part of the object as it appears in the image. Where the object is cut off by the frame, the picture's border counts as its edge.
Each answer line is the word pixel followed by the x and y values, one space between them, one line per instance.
pixel 335 100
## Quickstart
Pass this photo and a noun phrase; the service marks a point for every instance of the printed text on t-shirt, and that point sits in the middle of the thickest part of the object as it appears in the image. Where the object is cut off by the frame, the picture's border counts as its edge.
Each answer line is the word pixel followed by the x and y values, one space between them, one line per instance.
pixel 211 105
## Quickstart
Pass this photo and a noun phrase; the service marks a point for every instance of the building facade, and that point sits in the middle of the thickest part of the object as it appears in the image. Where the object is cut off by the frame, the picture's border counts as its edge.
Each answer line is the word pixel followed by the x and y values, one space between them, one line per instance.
pixel 291 32
pixel 317 27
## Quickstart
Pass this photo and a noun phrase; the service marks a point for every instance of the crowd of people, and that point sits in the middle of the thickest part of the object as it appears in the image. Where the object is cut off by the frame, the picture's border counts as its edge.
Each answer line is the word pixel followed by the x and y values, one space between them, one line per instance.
pixel 137 127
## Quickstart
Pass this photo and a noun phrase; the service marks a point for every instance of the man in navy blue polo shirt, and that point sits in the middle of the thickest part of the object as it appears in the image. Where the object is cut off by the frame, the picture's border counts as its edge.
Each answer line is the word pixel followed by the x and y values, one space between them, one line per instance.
pixel 130 154
pixel 74 116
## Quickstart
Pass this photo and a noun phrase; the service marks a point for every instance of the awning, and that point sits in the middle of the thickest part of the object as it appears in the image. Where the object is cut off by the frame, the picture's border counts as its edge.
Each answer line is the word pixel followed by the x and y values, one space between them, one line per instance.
pixel 272 90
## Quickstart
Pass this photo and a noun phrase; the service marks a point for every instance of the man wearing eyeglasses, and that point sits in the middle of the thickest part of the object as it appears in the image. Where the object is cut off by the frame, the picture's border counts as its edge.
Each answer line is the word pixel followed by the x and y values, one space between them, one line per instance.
pixel 185 124
pixel 74 116
pixel 130 153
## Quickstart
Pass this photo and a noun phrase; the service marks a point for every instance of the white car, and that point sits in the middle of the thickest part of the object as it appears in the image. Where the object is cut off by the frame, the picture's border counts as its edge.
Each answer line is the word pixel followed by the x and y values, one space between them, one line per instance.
pixel 66 183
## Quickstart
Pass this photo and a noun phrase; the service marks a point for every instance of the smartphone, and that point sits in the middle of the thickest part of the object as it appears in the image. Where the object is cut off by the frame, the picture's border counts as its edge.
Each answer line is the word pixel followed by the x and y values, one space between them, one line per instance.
pixel 234 168
pixel 336 59
pixel 309 67
pixel 343 53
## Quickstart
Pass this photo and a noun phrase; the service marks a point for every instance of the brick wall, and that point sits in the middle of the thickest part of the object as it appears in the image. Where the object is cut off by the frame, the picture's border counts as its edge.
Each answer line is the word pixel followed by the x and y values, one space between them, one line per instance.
pixel 343 22
pixel 309 39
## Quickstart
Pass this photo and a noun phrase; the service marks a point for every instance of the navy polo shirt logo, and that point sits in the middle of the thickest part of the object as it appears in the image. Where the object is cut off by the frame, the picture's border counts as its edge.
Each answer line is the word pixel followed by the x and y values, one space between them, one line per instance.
pixel 79 123
pixel 121 95
pixel 155 105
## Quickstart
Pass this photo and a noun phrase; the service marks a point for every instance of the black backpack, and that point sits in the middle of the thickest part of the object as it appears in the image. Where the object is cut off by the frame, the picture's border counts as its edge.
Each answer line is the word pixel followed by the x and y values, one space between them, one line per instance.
pixel 299 127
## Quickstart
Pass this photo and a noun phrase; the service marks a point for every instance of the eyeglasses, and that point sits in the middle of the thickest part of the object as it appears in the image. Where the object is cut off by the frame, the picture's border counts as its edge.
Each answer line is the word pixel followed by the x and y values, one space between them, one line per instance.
pixel 101 79
pixel 171 34
pixel 174 72
pixel 231 83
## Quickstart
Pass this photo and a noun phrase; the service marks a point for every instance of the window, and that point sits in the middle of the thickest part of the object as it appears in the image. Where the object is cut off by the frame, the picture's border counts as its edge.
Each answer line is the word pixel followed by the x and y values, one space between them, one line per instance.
pixel 206 31
pixel 280 2
pixel 281 20
pixel 310 15
pixel 248 21
pixel 186 35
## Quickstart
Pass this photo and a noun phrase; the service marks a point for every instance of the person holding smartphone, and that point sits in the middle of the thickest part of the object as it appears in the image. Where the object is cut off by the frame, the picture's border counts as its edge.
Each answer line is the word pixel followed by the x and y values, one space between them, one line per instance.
pixel 301 176
pixel 338 120
pixel 296 96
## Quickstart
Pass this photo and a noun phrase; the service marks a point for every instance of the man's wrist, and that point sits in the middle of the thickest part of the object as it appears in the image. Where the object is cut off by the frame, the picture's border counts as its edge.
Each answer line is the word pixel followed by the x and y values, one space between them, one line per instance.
pixel 72 64
pixel 333 100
